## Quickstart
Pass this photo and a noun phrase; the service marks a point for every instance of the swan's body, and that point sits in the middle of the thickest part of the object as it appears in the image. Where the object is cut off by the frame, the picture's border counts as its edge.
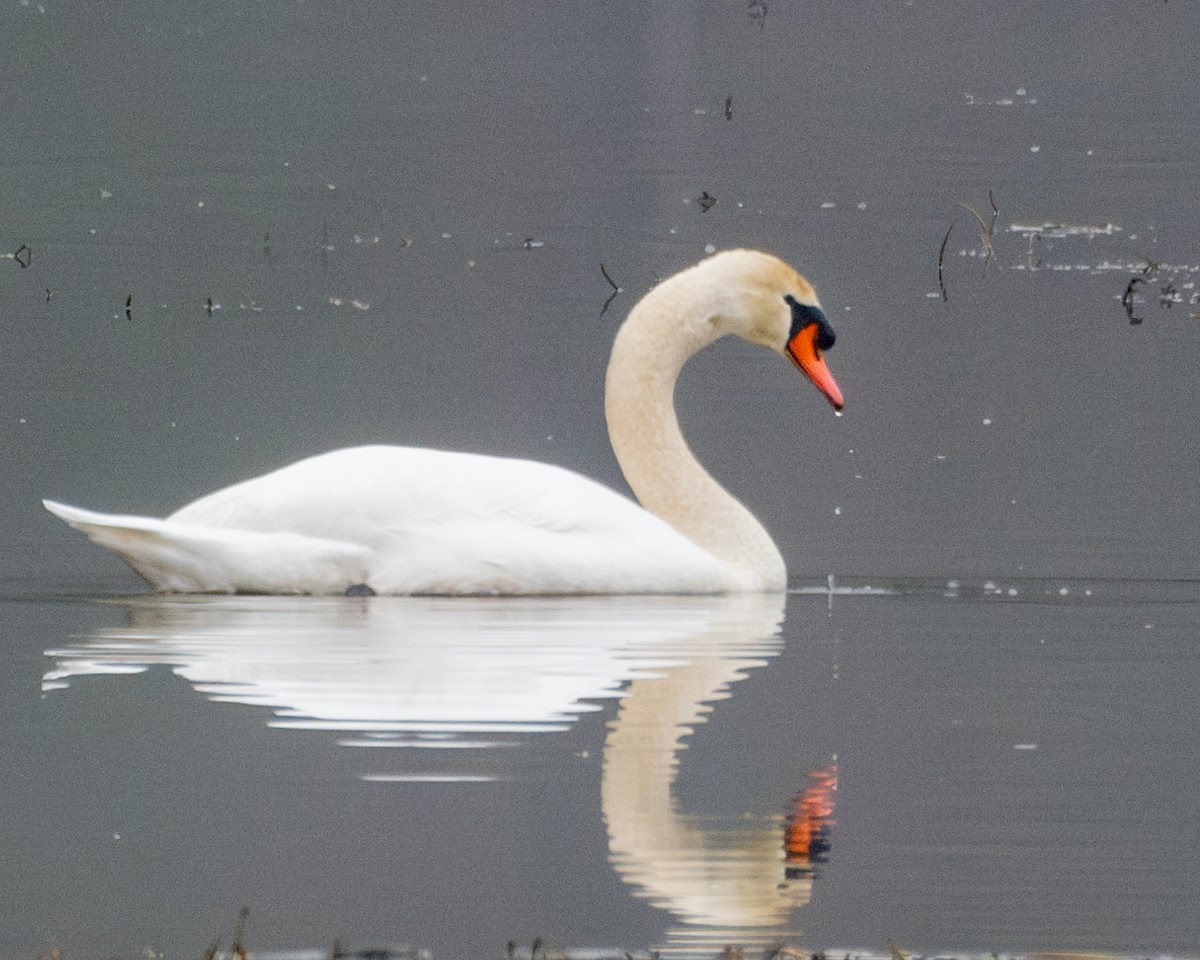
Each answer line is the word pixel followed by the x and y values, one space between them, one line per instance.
pixel 404 520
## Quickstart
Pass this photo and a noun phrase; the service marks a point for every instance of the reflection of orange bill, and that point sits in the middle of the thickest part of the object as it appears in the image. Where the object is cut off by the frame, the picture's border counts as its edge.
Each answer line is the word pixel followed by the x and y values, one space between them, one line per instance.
pixel 806 354
pixel 810 818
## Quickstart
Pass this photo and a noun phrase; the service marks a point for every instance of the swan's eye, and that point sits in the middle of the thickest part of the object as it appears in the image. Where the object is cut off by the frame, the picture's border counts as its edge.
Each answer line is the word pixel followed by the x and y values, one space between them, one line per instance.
pixel 803 315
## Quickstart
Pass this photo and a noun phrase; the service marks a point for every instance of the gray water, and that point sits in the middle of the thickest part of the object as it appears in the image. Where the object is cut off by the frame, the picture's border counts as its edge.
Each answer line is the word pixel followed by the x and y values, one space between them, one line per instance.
pixel 256 232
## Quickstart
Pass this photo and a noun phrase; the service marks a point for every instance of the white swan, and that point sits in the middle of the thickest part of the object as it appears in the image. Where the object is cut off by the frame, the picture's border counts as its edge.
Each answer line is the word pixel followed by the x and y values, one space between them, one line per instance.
pixel 401 520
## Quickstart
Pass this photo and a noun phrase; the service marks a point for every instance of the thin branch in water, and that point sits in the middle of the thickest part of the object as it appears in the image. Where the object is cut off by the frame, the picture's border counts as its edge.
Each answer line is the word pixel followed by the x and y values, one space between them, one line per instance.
pixel 615 289
pixel 611 282
pixel 942 263
pixel 985 235
pixel 1148 272
pixel 1127 298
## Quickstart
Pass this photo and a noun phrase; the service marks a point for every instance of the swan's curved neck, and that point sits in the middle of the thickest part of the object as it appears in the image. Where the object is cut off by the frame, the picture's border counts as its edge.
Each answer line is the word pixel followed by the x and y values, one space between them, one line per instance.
pixel 666 328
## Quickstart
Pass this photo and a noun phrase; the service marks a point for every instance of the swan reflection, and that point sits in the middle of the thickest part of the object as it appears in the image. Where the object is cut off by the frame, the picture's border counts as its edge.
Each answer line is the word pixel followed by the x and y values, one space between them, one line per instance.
pixel 456 679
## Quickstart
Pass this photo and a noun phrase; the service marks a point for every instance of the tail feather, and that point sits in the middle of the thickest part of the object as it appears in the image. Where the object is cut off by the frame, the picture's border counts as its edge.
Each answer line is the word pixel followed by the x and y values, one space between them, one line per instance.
pixel 191 558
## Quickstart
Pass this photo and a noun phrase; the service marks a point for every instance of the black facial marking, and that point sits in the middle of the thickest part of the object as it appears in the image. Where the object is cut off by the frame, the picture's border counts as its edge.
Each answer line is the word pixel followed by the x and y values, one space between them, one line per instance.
pixel 803 316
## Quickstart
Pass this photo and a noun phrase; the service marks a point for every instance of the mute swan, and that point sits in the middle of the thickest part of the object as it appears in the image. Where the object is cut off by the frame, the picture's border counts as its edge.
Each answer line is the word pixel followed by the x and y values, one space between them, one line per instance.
pixel 402 520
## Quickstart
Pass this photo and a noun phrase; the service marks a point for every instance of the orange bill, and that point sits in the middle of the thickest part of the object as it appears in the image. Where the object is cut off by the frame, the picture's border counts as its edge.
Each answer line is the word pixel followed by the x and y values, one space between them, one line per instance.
pixel 805 353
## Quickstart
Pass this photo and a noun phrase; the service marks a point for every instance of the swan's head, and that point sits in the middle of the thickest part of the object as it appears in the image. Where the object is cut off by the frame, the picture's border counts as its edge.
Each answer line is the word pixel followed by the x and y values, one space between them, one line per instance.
pixel 765 301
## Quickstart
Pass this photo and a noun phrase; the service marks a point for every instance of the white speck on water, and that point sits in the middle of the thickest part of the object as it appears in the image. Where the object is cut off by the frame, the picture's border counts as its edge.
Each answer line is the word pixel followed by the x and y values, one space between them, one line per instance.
pixel 1063 591
pixel 699 111
pixel 106 194
pixel 952 584
pixel 1035 149
pixel 862 205
pixel 837 413
pixel 447 236
pixel 837 511
pixel 470 263
pixel 116 836
pixel 828 205
pixel 1012 591
pixel 331 186
pixel 199 204
pixel 1025 746
pixel 987 421
pixel 360 305
pixel 1020 91
pixel 335 301
pixel 92 231
pixel 22 420
pixel 1087 593
pixel 989 587
pixel 709 248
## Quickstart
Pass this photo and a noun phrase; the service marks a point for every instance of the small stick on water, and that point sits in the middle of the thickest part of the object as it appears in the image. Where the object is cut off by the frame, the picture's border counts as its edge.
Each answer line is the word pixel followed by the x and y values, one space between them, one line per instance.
pixel 942 263
pixel 129 307
pixel 615 290
pixel 995 213
pixel 729 108
pixel 611 282
pixel 1127 298
pixel 985 235
pixel 23 255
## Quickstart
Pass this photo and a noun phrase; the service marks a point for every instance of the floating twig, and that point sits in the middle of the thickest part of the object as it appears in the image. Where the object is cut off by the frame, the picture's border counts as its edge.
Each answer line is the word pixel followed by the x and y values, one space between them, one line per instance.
pixel 23 255
pixel 707 201
pixel 985 232
pixel 611 282
pixel 615 289
pixel 758 12
pixel 942 263
pixel 729 108
pixel 129 307
pixel 1127 298
pixel 1148 271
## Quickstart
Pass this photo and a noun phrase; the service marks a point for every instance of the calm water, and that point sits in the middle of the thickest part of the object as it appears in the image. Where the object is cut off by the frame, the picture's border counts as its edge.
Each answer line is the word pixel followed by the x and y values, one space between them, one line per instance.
pixel 246 233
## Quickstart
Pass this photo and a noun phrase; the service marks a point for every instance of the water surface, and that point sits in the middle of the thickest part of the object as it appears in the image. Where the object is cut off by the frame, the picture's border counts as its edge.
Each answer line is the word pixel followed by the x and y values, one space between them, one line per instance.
pixel 243 234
